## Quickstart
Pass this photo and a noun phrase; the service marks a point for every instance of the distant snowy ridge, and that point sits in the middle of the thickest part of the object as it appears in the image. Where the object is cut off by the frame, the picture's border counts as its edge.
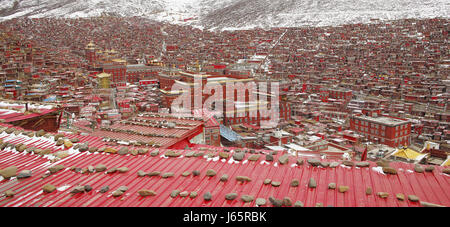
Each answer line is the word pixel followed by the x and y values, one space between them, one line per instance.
pixel 287 13
pixel 233 14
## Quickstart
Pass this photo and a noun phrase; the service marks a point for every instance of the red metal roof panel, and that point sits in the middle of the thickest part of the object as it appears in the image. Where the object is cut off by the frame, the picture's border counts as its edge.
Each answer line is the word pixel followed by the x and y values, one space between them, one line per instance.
pixel 431 187
pixel 10 115
pixel 21 116
pixel 428 186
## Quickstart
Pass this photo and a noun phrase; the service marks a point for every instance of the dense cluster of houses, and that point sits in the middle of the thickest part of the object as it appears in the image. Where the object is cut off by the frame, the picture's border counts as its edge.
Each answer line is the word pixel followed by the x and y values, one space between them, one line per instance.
pixel 378 90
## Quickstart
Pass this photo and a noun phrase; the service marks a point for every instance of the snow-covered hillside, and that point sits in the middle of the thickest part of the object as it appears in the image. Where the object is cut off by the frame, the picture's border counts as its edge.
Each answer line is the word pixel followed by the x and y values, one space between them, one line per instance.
pixel 286 13
pixel 234 14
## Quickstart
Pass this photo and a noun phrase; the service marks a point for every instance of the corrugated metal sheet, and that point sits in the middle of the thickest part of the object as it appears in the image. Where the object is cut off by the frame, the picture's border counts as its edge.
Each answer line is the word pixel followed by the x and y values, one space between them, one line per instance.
pixel 28 116
pixel 228 133
pixel 430 187
pixel 10 117
pixel 44 143
pixel 23 161
pixel 163 139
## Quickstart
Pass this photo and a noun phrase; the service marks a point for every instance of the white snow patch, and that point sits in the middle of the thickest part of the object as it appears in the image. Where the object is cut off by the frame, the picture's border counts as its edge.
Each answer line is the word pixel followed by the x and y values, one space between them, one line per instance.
pixel 63 188
pixel 264 162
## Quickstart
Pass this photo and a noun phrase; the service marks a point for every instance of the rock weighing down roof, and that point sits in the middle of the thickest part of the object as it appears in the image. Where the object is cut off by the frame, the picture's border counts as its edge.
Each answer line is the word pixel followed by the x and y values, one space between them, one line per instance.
pixel 195 178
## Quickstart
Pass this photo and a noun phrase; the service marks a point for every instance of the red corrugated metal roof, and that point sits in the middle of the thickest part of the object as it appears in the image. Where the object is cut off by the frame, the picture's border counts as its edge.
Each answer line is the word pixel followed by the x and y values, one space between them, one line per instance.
pixel 44 143
pixel 212 122
pixel 163 136
pixel 11 115
pixel 430 187
pixel 130 137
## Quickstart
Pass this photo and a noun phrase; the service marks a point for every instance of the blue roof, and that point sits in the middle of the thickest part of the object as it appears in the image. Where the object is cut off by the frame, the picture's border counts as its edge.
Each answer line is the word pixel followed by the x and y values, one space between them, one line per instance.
pixel 50 99
pixel 18 81
pixel 12 85
pixel 228 133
